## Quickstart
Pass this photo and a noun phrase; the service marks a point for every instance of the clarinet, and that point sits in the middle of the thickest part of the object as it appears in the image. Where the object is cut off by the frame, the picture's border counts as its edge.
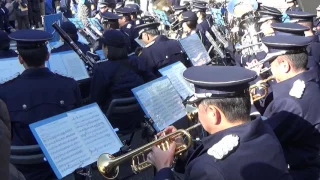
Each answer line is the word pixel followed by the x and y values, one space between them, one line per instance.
pixel 88 61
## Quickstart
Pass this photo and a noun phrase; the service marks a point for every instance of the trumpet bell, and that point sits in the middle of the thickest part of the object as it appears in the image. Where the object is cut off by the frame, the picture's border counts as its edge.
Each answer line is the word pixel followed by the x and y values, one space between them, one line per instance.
pixel 107 171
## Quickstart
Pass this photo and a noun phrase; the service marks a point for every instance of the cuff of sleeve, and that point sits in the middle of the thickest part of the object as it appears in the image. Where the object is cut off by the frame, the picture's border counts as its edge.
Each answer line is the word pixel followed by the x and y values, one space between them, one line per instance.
pixel 164 173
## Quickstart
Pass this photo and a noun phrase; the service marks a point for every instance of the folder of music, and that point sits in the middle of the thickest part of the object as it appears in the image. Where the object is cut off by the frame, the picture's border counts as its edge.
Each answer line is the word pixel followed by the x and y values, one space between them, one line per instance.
pixel 75 139
pixel 195 50
pixel 175 74
pixel 160 102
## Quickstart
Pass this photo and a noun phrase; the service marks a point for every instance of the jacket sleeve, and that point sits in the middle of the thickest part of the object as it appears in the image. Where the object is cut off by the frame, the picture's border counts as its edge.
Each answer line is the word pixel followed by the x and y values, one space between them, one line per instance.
pixel 203 171
pixel 285 116
pixel 164 174
pixel 99 86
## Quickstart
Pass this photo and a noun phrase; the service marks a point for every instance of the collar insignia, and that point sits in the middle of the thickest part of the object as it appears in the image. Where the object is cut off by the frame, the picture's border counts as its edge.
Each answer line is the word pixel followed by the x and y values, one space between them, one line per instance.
pixel 129 26
pixel 224 146
pixel 297 89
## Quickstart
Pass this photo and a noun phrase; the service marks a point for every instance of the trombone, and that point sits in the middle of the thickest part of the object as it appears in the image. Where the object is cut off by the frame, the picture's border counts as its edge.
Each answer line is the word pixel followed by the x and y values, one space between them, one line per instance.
pixel 108 165
pixel 260 85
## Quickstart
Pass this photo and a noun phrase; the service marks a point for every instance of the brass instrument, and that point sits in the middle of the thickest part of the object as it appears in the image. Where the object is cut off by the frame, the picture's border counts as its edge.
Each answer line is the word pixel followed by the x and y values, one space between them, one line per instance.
pixel 108 165
pixel 260 84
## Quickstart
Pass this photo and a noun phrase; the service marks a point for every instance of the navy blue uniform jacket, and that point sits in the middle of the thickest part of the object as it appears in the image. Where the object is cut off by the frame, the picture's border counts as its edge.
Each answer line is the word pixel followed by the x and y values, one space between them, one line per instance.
pixel 65 47
pixel 161 52
pixel 105 87
pixel 35 95
pixel 296 124
pixel 259 156
pixel 202 28
pixel 8 54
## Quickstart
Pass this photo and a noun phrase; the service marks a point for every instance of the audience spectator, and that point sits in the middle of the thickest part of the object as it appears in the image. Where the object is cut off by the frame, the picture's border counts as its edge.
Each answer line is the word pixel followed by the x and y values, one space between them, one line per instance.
pixel 11 13
pixel 21 10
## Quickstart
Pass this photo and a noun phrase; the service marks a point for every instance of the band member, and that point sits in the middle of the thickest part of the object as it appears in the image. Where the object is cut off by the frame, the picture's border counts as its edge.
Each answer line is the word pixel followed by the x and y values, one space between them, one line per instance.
pixel 292 6
pixel 293 114
pixel 127 27
pixel 134 15
pixel 159 50
pixel 236 147
pixel 115 78
pixel 105 6
pixel 189 23
pixel 306 19
pixel 110 20
pixel 72 31
pixel 203 24
pixel 5 51
pixel 36 94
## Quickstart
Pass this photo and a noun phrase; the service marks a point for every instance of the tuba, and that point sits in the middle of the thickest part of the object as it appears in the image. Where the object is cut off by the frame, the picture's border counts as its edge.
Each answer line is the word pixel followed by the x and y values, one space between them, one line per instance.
pixel 108 165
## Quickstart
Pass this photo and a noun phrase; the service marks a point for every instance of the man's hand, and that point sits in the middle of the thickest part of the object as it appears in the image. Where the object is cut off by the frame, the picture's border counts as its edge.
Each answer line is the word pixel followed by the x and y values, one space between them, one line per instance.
pixel 167 130
pixel 162 159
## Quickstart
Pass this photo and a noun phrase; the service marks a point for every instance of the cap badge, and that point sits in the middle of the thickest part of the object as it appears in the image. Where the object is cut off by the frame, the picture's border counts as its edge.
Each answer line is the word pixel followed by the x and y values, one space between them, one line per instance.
pixel 297 89
pixel 224 146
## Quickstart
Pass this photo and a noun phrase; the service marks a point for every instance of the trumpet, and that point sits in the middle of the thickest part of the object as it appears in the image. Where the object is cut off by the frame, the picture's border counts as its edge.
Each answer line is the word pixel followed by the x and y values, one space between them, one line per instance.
pixel 260 84
pixel 108 165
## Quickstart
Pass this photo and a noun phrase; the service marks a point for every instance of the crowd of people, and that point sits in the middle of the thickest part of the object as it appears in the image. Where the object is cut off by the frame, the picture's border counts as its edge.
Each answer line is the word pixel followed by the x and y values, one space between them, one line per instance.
pixel 281 140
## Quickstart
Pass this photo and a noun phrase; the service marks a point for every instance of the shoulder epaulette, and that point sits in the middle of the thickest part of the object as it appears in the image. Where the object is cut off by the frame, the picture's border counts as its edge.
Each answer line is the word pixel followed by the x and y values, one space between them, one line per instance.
pixel 8 79
pixel 224 147
pixel 297 89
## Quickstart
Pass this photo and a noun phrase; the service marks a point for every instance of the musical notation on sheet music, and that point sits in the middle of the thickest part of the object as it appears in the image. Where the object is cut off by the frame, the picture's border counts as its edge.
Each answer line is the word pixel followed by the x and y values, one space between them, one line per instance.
pixel 160 101
pixel 195 50
pixel 175 74
pixel 69 64
pixel 75 139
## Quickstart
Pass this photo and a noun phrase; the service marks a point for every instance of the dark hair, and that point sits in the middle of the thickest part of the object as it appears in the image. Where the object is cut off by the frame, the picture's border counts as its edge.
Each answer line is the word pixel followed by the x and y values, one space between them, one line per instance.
pixel 112 24
pixel 127 17
pixel 74 37
pixel 308 24
pixel 235 109
pixel 192 24
pixel 115 53
pixel 153 32
pixel 134 16
pixel 203 14
pixel 299 60
pixel 5 46
pixel 34 57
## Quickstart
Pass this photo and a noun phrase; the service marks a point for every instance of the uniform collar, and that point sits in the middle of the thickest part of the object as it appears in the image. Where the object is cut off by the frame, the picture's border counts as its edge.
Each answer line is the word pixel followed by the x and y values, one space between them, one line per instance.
pixel 246 132
pixel 283 88
pixel 152 42
pixel 36 72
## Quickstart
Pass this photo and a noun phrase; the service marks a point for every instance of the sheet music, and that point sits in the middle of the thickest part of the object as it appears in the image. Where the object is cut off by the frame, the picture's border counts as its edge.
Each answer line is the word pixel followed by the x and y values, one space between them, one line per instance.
pixel 161 102
pixel 10 67
pixel 100 53
pixel 175 74
pixel 195 50
pixel 75 139
pixel 140 42
pixel 77 22
pixel 82 40
pixel 69 64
